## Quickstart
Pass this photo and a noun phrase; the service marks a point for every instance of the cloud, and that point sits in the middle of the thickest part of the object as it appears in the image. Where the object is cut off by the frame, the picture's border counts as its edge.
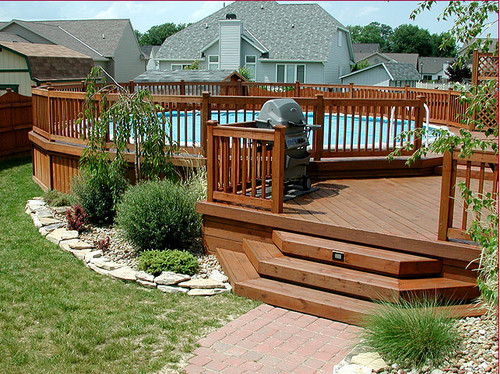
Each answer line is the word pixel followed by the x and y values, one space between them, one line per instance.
pixel 367 10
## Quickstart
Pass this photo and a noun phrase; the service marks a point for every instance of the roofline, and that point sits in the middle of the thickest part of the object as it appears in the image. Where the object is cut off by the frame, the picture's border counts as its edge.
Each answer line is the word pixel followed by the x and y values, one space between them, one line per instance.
pixel 16 21
pixel 85 44
pixel 367 68
pixel 253 44
pixel 388 72
pixel 293 61
pixel 181 59
pixel 25 59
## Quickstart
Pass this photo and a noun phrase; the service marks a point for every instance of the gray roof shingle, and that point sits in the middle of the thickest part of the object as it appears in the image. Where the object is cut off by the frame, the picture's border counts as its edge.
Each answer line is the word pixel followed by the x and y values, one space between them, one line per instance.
pixel 185 75
pixel 8 37
pixel 368 48
pixel 402 71
pixel 287 31
pixel 96 38
pixel 432 65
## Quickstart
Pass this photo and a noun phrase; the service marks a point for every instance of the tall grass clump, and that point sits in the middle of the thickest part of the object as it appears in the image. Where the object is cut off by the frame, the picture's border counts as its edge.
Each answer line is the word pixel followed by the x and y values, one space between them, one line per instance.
pixel 159 215
pixel 413 333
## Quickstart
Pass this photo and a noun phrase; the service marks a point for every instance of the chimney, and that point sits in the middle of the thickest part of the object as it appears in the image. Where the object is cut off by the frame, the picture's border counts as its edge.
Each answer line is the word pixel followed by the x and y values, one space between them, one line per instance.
pixel 230 30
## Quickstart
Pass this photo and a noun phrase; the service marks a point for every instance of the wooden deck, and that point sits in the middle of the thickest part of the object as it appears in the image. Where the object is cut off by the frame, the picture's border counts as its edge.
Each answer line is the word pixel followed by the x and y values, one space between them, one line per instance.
pixel 402 206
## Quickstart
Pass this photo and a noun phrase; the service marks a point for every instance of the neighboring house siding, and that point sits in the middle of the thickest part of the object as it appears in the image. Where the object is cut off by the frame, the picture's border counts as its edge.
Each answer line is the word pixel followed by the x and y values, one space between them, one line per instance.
pixel 26 34
pixel 230 44
pixel 338 63
pixel 11 61
pixel 373 77
pixel 127 58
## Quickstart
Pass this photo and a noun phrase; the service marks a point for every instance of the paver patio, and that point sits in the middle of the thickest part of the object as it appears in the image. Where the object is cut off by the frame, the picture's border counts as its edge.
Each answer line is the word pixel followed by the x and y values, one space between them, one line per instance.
pixel 274 340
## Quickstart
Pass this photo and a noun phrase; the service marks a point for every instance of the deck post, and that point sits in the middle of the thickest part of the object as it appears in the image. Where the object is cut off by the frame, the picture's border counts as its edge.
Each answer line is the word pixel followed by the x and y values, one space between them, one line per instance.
pixel 351 90
pixel 204 118
pixel 297 89
pixel 182 87
pixel 131 86
pixel 278 169
pixel 405 95
pixel 448 106
pixel 446 202
pixel 49 114
pixel 211 162
pixel 319 119
pixel 419 121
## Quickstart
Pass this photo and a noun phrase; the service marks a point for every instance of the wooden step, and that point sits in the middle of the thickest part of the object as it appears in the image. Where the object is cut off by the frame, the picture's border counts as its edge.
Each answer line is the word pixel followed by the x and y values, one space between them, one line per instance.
pixel 356 256
pixel 268 260
pixel 302 299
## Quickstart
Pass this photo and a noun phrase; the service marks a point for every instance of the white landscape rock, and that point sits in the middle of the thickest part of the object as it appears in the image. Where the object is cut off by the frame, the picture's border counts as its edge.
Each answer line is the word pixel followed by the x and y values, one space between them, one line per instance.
pixel 97 269
pixel 44 212
pixel 202 284
pixel 142 275
pixel 61 209
pixel 169 278
pixel 369 359
pixel 172 289
pixel 351 369
pixel 104 263
pixel 124 273
pixel 46 221
pixel 45 230
pixel 35 204
pixel 94 254
pixel 80 254
pixel 145 283
pixel 69 234
pixel 56 235
pixel 80 245
pixel 66 244
pixel 201 292
pixel 218 276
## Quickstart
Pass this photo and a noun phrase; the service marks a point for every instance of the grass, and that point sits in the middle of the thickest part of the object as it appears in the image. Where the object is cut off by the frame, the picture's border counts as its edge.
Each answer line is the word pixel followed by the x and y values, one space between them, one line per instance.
pixel 57 316
pixel 412 333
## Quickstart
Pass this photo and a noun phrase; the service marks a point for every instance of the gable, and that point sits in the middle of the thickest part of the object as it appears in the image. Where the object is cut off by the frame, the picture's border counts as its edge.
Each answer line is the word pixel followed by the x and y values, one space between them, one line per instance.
pixel 288 31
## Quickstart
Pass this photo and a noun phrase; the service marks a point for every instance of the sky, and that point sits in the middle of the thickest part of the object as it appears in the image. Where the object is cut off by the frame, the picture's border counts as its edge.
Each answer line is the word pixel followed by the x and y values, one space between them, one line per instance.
pixel 144 14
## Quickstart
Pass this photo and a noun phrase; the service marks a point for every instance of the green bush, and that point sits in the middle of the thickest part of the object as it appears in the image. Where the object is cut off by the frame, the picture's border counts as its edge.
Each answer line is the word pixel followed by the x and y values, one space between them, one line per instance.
pixel 99 193
pixel 159 215
pixel 411 333
pixel 56 198
pixel 155 261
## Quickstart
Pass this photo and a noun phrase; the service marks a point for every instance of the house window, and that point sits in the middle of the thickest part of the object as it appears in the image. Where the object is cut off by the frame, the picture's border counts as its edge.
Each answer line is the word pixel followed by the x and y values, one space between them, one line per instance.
pixel 213 62
pixel 180 66
pixel 339 38
pixel 251 64
pixel 290 73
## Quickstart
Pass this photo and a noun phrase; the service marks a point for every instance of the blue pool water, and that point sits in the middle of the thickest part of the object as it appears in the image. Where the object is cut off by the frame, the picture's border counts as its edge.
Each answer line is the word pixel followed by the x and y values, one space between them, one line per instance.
pixel 183 125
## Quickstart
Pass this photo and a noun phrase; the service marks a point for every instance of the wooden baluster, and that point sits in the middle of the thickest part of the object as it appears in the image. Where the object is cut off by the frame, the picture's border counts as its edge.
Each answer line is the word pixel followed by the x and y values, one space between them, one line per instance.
pixel 263 170
pixel 278 155
pixel 244 167
pixel 254 167
pixel 211 160
pixel 225 164
pixel 468 171
pixel 234 164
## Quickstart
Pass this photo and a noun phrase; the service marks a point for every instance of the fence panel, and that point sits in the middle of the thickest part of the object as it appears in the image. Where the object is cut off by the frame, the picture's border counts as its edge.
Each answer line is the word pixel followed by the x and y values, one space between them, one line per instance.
pixel 16 120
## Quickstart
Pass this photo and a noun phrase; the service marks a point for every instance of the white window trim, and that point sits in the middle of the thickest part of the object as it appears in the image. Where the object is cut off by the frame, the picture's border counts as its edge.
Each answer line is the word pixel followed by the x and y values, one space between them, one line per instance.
pixel 252 63
pixel 213 63
pixel 294 72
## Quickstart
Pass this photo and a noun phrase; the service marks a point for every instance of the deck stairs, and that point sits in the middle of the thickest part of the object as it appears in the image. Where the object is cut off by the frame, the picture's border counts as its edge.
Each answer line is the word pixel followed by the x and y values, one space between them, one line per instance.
pixel 335 279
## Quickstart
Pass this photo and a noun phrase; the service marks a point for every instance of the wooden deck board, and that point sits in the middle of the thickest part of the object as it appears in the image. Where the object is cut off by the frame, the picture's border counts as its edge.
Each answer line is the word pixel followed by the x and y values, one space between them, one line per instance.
pixel 402 206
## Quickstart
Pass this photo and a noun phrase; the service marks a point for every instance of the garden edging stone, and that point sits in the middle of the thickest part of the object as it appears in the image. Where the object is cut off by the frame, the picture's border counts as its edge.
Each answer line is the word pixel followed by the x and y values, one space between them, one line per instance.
pixel 54 229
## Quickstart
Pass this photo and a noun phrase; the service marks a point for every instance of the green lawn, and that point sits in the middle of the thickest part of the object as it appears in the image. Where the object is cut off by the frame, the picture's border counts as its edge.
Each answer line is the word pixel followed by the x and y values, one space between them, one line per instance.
pixel 57 316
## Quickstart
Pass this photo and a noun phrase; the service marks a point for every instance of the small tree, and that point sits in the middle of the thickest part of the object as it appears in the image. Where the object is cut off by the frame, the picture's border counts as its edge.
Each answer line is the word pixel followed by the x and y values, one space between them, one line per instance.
pixel 194 66
pixel 245 73
pixel 132 118
pixel 459 74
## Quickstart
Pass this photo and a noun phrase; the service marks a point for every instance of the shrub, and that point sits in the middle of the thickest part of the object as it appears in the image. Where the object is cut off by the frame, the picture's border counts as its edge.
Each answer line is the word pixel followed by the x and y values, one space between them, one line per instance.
pixel 159 215
pixel 98 193
pixel 155 261
pixel 56 198
pixel 103 244
pixel 77 217
pixel 411 333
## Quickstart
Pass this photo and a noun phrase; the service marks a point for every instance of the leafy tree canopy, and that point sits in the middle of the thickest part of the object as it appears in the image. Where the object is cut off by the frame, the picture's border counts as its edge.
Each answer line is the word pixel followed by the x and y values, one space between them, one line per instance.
pixel 405 39
pixel 458 73
pixel 156 35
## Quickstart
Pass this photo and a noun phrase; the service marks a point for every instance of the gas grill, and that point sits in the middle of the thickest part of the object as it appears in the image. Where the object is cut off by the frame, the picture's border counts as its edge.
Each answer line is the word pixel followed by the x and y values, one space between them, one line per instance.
pixel 287 112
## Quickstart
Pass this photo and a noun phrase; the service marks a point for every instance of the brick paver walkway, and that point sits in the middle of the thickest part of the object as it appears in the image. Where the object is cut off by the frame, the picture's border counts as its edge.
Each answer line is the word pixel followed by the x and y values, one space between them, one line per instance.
pixel 274 340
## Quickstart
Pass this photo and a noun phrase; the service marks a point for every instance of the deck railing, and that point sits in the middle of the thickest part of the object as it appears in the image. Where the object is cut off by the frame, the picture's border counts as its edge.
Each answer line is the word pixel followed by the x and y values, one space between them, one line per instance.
pixel 349 127
pixel 480 175
pixel 245 165
pixel 444 105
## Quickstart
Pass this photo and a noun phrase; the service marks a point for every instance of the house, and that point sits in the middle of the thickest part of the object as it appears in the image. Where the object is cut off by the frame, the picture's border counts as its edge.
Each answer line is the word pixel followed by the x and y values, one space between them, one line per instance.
pixel 392 74
pixel 149 52
pixel 362 50
pixel 276 42
pixel 111 43
pixel 433 68
pixel 378 57
pixel 23 65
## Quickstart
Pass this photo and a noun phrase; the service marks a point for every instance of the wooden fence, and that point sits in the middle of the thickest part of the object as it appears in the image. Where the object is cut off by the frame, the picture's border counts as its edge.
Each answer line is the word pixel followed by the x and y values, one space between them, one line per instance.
pixel 242 168
pixel 15 123
pixel 485 68
pixel 480 175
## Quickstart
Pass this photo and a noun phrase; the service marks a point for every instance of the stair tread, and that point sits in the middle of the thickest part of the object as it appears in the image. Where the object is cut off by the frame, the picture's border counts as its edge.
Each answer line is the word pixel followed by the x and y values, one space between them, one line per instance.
pixel 303 299
pixel 355 255
pixel 270 262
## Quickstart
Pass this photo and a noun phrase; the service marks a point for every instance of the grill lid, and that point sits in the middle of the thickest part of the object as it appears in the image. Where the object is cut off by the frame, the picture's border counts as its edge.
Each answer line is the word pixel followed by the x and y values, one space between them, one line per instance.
pixel 284 112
